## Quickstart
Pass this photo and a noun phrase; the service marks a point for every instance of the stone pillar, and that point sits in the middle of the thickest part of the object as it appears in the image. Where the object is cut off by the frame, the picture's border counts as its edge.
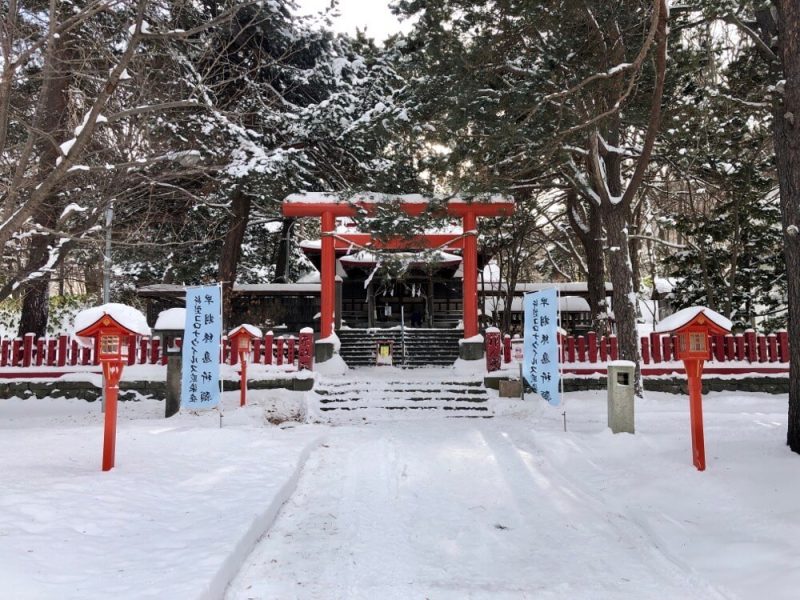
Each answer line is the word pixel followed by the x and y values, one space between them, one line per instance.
pixel 620 396
pixel 172 403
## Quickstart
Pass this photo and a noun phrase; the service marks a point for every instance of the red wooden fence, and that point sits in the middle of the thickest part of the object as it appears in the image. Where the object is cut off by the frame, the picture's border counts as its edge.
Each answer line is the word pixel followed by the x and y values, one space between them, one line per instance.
pixel 590 350
pixel 658 349
pixel 63 351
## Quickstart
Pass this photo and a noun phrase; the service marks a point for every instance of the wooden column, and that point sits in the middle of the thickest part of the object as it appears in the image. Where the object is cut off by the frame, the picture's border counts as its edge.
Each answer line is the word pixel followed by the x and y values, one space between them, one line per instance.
pixel 429 303
pixel 337 307
pixel 370 305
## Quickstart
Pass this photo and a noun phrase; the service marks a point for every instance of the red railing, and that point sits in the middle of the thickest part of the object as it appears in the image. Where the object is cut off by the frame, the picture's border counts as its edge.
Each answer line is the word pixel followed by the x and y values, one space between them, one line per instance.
pixel 748 347
pixel 747 352
pixel 64 351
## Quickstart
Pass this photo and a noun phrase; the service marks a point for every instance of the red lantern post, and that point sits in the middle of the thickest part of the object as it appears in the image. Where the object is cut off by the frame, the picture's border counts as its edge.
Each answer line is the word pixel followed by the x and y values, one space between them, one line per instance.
pixel 111 343
pixel 242 338
pixel 692 328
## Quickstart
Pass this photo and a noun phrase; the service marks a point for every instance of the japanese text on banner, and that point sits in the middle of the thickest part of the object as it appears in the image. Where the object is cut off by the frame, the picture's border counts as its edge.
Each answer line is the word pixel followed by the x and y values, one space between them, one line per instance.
pixel 540 355
pixel 201 348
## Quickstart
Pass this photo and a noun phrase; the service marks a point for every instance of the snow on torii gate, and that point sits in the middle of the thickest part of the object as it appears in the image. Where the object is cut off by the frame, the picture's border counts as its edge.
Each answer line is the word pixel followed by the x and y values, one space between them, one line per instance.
pixel 329 206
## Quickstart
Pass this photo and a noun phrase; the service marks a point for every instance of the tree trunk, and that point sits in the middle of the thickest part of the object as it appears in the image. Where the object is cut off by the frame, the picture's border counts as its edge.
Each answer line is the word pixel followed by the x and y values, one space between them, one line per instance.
pixel 623 297
pixel 787 151
pixel 596 275
pixel 232 250
pixel 590 235
pixel 36 292
pixel 52 119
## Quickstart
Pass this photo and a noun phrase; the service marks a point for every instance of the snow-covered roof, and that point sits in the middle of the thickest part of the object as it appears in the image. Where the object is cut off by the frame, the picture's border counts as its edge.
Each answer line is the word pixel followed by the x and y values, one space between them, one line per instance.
pixel 378 197
pixel 365 257
pixel 275 289
pixel 573 304
pixel 568 286
pixel 310 277
pixel 125 315
pixel 172 318
pixel 682 317
pixel 347 226
pixel 664 285
pixel 565 304
pixel 251 329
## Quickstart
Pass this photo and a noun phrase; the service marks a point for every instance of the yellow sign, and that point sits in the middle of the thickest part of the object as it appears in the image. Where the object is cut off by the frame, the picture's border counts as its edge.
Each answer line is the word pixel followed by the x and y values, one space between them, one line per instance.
pixel 384 354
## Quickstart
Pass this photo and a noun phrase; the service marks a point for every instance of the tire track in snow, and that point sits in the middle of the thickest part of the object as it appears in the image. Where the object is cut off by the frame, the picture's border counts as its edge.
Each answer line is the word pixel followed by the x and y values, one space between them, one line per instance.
pixel 632 530
pixel 448 511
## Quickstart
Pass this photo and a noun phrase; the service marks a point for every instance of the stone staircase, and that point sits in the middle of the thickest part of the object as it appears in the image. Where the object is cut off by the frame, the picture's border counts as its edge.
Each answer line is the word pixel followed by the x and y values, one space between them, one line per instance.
pixel 397 397
pixel 423 347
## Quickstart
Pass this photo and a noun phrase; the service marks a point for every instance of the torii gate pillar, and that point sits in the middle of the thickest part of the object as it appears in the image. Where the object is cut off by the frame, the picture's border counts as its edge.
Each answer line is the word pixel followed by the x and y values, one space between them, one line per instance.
pixel 470 281
pixel 327 275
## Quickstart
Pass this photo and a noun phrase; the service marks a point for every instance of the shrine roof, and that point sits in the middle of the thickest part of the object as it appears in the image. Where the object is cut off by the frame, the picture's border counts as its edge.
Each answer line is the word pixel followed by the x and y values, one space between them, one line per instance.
pixel 365 257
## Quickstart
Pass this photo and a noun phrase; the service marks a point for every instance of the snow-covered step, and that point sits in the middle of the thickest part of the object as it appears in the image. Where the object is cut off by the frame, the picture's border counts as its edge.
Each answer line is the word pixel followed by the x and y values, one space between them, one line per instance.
pixel 423 347
pixel 338 399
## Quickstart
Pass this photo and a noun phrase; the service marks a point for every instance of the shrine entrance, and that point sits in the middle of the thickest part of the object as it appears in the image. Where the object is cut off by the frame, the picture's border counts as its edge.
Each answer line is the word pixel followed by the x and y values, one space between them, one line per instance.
pixel 385 307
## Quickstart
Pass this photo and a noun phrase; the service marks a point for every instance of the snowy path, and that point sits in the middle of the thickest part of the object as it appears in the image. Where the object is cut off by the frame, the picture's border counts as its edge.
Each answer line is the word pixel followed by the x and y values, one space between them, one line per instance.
pixel 444 509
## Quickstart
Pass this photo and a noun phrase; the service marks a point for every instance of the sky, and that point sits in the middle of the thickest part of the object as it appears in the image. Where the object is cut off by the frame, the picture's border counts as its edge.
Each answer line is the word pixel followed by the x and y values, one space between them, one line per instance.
pixel 374 15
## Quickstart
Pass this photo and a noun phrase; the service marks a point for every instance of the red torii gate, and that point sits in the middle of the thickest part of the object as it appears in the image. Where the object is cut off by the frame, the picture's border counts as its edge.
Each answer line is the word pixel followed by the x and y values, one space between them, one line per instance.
pixel 329 206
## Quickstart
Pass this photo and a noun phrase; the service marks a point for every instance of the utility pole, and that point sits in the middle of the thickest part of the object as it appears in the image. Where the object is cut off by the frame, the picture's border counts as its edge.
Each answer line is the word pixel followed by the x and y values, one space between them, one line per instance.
pixel 107 256
pixel 107 276
pixel 288 250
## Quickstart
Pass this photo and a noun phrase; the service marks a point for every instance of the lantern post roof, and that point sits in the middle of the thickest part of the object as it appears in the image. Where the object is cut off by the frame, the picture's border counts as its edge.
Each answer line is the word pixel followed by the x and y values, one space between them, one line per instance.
pixel 126 319
pixel 245 329
pixel 172 319
pixel 695 315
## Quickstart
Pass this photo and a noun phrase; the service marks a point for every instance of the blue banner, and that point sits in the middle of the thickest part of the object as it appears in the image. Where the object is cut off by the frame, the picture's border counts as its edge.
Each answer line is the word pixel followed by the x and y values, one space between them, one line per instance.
pixel 540 354
pixel 202 337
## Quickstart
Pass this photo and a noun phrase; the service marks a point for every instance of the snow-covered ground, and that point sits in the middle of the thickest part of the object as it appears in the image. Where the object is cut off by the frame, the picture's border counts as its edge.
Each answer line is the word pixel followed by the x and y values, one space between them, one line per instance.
pixel 510 507
pixel 175 518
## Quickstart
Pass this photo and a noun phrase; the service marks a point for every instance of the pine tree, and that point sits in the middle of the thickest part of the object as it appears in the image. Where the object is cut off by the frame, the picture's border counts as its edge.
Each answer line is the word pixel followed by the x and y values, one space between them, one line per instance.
pixel 534 94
